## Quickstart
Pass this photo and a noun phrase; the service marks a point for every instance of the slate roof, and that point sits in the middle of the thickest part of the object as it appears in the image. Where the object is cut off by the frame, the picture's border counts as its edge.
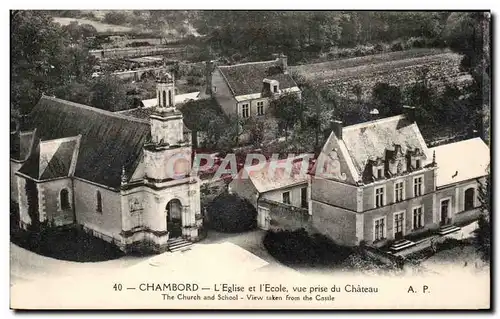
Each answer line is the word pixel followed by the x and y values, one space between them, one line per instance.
pixel 21 144
pixel 461 161
pixel 371 139
pixel 269 178
pixel 247 78
pixel 52 159
pixel 108 142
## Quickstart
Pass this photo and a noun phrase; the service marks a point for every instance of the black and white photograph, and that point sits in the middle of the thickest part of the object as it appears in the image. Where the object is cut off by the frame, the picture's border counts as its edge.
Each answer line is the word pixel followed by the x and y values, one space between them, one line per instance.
pixel 250 159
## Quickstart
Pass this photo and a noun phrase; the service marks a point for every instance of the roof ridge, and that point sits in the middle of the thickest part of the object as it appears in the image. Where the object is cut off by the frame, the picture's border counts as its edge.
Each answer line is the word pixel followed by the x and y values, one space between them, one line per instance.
pixel 92 109
pixel 378 121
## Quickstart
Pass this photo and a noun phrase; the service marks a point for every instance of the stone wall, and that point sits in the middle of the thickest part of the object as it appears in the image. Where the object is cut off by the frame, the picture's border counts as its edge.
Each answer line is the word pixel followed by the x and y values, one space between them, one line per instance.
pixel 287 217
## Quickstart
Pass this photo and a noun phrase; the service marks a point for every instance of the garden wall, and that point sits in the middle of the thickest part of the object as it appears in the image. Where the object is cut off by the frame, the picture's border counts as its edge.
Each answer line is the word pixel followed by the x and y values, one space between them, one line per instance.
pixel 286 217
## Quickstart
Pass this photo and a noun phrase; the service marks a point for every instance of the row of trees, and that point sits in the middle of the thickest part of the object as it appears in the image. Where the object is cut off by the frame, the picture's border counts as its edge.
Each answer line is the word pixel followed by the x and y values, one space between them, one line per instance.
pixel 255 34
pixel 53 60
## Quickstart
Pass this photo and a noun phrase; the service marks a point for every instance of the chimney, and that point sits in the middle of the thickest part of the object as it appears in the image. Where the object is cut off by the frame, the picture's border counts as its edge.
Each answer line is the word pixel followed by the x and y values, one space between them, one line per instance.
pixel 410 112
pixel 209 68
pixel 337 128
pixel 283 62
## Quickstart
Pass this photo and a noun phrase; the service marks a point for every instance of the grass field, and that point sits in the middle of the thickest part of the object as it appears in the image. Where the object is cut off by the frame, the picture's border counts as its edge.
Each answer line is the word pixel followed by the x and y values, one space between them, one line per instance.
pixel 100 27
pixel 387 62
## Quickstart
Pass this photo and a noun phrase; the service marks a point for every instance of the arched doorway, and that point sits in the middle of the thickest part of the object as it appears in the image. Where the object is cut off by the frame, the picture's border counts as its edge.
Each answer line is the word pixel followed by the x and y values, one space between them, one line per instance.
pixel 469 199
pixel 174 218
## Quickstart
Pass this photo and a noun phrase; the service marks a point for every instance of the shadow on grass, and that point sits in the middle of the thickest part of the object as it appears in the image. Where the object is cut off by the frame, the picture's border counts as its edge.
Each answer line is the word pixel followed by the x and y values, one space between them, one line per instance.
pixel 69 243
pixel 300 249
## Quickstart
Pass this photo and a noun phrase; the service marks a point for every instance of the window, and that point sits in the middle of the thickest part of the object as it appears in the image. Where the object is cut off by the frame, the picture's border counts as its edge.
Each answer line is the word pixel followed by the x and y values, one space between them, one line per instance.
pixel 418 186
pixel 379 196
pixel 418 217
pixel 379 229
pixel 99 202
pixel 275 88
pixel 245 110
pixel 260 108
pixel 469 198
pixel 399 191
pixel 303 197
pixel 170 102
pixel 215 89
pixel 399 167
pixel 286 198
pixel 380 173
pixel 164 102
pixel 64 198
pixel 417 163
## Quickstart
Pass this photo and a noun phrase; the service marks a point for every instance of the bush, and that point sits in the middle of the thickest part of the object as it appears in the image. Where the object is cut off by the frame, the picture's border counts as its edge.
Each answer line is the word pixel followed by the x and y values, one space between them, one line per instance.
pixel 230 213
pixel 115 17
pixel 396 46
pixel 300 248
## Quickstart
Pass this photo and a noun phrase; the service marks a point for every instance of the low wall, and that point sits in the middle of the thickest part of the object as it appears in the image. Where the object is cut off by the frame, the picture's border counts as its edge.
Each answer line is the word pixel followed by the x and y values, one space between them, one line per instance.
pixel 286 217
pixel 383 256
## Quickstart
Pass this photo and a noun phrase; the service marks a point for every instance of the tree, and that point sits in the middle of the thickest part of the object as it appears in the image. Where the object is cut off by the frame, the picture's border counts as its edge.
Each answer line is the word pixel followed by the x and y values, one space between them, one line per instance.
pixel 387 98
pixel 468 33
pixel 288 109
pixel 108 93
pixel 483 232
pixel 231 213
pixel 79 32
pixel 43 58
pixel 115 17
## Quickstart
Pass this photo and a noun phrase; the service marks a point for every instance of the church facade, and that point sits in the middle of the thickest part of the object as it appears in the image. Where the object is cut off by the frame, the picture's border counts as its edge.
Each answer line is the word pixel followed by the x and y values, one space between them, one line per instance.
pixel 126 180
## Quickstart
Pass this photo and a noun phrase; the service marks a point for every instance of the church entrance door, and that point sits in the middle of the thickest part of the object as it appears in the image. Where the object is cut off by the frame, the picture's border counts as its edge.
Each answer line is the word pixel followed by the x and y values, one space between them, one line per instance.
pixel 174 218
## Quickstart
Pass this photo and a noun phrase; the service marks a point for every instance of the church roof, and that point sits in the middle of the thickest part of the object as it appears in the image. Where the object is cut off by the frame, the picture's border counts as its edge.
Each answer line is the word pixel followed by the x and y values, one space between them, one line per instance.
pixel 372 139
pixel 21 144
pixel 52 159
pixel 109 141
pixel 247 78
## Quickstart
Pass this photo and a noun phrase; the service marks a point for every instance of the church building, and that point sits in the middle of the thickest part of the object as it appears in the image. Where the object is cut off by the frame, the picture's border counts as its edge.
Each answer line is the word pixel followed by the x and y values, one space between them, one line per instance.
pixel 124 179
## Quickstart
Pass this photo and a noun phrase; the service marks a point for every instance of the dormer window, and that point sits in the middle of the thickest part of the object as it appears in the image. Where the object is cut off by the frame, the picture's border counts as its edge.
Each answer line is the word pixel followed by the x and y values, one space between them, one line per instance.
pixel 380 173
pixel 416 157
pixel 271 86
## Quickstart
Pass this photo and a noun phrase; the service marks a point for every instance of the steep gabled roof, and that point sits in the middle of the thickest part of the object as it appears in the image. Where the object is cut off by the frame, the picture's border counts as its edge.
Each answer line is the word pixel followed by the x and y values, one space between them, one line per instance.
pixel 271 177
pixel 371 139
pixel 247 78
pixel 52 159
pixel 108 142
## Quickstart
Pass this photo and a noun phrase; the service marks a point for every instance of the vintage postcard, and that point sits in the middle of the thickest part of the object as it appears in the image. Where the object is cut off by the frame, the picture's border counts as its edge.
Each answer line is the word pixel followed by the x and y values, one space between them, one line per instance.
pixel 195 159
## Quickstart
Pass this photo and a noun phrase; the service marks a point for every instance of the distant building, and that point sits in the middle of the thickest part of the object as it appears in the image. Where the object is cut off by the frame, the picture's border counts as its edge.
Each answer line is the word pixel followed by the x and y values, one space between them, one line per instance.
pixel 108 172
pixel 268 187
pixel 380 183
pixel 246 89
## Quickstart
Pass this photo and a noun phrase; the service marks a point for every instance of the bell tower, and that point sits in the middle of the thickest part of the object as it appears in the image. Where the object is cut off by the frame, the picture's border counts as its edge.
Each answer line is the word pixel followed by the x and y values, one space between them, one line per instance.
pixel 165 90
pixel 168 154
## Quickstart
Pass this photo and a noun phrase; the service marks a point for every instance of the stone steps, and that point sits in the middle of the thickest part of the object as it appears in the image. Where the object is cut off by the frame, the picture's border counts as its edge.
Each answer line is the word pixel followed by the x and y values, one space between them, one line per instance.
pixel 401 244
pixel 448 229
pixel 179 243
